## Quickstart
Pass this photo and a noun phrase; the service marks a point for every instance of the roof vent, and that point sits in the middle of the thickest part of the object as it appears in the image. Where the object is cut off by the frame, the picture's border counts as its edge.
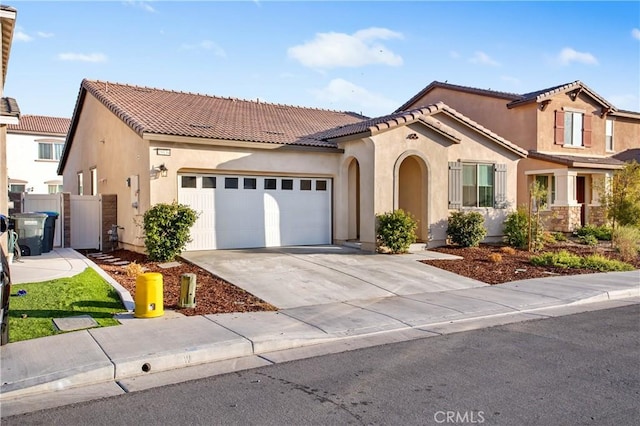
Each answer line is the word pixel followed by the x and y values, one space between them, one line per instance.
pixel 201 126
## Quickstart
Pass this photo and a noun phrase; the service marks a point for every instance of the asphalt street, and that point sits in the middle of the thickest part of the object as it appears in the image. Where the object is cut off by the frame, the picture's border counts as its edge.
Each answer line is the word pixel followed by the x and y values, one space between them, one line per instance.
pixel 577 369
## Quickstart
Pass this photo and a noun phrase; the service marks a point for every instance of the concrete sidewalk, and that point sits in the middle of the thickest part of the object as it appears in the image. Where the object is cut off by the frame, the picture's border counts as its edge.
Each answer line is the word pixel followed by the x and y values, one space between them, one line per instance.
pixel 110 361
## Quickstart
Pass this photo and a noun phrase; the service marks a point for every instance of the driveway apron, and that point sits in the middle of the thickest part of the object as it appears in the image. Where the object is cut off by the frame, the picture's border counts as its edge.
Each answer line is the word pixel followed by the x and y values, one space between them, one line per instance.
pixel 289 277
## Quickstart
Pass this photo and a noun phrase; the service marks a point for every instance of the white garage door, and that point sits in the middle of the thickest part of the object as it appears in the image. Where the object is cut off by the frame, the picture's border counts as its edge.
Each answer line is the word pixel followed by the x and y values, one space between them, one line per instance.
pixel 256 211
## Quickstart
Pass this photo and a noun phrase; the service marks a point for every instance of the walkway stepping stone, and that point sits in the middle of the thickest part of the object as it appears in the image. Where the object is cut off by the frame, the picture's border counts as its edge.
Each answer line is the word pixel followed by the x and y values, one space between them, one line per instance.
pixel 169 265
pixel 79 322
pixel 96 254
pixel 112 260
pixel 121 263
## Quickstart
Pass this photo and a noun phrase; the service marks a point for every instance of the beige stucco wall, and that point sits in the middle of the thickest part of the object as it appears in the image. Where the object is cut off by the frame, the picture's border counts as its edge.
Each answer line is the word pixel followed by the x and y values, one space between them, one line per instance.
pixel 489 112
pixel 380 185
pixel 626 133
pixel 103 141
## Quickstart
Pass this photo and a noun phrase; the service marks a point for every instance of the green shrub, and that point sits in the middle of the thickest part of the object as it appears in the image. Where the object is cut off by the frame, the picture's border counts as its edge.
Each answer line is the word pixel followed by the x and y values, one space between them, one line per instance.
pixel 516 232
pixel 626 239
pixel 466 229
pixel 589 240
pixel 602 233
pixel 166 228
pixel 396 230
pixel 564 259
pixel 603 264
pixel 559 236
pixel 560 259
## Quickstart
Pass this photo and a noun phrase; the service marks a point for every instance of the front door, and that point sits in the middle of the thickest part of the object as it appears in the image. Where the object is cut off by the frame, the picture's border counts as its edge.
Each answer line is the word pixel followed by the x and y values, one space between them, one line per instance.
pixel 580 197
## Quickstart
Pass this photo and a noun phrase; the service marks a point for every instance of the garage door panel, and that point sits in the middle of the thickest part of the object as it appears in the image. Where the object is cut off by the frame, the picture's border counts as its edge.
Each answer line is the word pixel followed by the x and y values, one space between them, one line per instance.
pixel 284 211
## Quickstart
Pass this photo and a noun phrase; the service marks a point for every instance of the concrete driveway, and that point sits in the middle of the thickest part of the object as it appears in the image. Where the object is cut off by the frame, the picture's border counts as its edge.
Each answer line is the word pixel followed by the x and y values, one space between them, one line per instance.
pixel 290 277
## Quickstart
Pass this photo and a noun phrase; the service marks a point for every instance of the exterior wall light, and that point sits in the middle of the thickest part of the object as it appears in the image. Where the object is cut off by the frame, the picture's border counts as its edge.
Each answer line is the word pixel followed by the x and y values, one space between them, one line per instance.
pixel 163 170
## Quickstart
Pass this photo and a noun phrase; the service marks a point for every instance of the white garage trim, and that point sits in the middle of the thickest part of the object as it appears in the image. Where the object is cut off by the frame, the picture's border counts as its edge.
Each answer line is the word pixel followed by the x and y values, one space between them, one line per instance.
pixel 248 211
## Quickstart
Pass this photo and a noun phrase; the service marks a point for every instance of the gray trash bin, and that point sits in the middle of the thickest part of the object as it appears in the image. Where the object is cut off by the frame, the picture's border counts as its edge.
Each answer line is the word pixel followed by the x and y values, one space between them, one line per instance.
pixel 30 230
pixel 49 231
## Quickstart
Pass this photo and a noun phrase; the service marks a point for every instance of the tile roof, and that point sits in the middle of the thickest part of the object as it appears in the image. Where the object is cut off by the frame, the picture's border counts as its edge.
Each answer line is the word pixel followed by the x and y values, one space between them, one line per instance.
pixel 156 111
pixel 514 98
pixel 424 115
pixel 483 92
pixel 9 107
pixel 629 155
pixel 41 125
pixel 540 95
pixel 578 161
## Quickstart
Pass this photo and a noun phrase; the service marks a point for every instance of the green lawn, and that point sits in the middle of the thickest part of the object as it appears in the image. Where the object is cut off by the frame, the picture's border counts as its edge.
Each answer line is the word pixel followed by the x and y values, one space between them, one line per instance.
pixel 31 315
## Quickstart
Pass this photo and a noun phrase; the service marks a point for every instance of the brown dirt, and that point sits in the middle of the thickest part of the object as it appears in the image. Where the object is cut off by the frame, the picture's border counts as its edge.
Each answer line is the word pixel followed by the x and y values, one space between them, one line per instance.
pixel 213 294
pixel 476 262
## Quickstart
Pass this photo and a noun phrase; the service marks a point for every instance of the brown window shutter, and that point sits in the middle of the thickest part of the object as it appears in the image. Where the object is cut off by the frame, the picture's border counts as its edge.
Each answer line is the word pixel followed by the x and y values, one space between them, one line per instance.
pixel 586 130
pixel 559 128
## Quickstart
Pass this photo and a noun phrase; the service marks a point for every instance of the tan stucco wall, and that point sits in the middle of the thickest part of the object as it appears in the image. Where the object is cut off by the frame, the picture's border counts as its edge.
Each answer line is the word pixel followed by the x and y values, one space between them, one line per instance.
pixel 103 141
pixel 435 152
pixel 626 133
pixel 520 127
pixel 530 164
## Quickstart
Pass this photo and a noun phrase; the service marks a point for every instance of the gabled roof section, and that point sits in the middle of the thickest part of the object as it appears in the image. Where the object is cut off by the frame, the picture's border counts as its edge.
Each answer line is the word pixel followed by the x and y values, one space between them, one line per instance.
pixel 156 111
pixel 8 18
pixel 517 99
pixel 426 116
pixel 544 94
pixel 9 108
pixel 41 125
pixel 578 161
pixel 150 111
pixel 473 90
pixel 629 155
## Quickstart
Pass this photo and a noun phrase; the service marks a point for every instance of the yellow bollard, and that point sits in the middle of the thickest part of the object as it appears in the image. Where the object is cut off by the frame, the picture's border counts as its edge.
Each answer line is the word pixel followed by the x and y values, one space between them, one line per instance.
pixel 149 296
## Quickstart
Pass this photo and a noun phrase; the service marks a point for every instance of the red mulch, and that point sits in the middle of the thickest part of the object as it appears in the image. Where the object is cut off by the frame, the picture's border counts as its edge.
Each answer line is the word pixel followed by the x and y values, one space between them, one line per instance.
pixel 476 263
pixel 213 295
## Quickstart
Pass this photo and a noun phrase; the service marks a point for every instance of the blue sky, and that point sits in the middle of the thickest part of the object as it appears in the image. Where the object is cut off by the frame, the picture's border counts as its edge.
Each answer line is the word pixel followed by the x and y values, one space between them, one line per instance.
pixel 363 56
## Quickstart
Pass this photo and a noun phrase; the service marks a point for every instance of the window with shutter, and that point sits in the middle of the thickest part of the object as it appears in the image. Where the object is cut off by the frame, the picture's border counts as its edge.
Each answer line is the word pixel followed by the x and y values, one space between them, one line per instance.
pixel 455 185
pixel 586 131
pixel 477 185
pixel 501 186
pixel 559 128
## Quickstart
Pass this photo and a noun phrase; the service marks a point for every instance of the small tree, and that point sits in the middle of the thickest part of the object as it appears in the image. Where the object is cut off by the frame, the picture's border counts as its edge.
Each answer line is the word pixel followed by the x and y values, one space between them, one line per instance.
pixel 537 199
pixel 396 230
pixel 466 229
pixel 621 198
pixel 166 228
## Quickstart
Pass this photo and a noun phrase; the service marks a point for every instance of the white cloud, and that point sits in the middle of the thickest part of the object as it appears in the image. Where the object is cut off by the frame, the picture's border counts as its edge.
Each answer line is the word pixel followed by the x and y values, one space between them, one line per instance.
pixel 343 92
pixel 81 57
pixel 635 33
pixel 144 5
pixel 44 35
pixel 22 36
pixel 205 45
pixel 332 50
pixel 483 59
pixel 568 55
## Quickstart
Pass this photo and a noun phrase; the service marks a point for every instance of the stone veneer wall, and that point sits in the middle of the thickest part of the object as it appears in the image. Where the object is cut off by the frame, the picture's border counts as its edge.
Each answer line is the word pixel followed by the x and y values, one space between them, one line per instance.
pixel 562 218
pixel 596 216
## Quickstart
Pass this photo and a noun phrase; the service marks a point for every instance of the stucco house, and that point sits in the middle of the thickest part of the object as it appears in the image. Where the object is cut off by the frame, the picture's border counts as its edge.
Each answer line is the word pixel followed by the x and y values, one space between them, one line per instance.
pixel 262 174
pixel 9 111
pixel 574 137
pixel 34 148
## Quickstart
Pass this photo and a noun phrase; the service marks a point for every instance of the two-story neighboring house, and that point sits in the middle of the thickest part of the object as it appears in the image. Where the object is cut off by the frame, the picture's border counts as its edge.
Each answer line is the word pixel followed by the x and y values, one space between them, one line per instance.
pixel 570 132
pixel 34 147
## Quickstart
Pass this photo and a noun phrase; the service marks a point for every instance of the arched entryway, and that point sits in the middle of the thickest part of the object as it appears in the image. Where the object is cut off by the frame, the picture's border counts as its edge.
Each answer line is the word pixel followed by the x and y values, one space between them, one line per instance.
pixel 354 200
pixel 412 191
